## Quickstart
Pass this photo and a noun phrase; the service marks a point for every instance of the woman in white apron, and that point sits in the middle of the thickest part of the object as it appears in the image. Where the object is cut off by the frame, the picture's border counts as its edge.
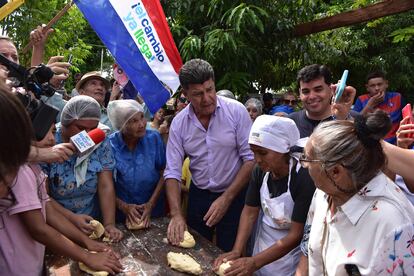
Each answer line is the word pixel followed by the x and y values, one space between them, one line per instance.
pixel 278 197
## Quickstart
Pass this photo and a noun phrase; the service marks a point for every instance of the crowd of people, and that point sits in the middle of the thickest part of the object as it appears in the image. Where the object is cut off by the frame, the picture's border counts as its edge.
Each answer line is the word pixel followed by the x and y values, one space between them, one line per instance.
pixel 307 186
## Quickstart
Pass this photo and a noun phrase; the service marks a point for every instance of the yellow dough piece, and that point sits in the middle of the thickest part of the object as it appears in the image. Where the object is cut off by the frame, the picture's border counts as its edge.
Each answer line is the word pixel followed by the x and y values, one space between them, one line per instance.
pixel 222 268
pixel 184 263
pixel 83 267
pixel 99 229
pixel 107 239
pixel 188 241
pixel 134 226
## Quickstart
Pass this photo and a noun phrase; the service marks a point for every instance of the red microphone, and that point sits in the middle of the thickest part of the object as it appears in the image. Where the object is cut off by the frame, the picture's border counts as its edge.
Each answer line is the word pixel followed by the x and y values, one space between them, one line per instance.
pixel 84 141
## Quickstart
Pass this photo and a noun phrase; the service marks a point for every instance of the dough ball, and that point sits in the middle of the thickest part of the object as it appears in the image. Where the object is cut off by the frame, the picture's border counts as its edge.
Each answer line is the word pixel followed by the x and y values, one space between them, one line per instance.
pixel 184 263
pixel 222 268
pixel 133 225
pixel 107 239
pixel 99 229
pixel 85 268
pixel 188 241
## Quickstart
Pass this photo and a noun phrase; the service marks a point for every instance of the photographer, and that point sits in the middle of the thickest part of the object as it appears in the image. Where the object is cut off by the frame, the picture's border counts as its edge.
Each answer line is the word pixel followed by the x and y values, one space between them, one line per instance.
pixel 60 152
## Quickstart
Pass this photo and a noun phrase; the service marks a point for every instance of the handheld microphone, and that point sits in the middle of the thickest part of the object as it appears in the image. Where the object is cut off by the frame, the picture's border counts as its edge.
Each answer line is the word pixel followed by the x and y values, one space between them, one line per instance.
pixel 84 141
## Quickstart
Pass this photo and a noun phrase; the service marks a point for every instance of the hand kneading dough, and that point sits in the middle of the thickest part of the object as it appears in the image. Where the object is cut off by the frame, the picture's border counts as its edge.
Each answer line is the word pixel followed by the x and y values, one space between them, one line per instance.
pixel 134 226
pixel 184 263
pixel 188 241
pixel 222 268
pixel 99 229
pixel 83 267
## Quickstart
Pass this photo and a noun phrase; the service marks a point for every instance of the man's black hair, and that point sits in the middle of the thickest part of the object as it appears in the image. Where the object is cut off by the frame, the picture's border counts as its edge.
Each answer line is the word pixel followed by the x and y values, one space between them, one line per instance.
pixel 195 71
pixel 314 71
pixel 375 74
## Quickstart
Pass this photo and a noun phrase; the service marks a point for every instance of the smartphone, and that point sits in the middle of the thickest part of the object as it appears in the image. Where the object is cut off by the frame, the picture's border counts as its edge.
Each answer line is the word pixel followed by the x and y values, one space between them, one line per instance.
pixel 407 112
pixel 62 83
pixel 341 86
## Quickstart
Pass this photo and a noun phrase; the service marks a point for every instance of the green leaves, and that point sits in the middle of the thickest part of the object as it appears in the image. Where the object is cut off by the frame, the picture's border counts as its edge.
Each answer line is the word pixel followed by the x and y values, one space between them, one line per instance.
pixel 190 47
pixel 402 35
pixel 237 82
pixel 244 17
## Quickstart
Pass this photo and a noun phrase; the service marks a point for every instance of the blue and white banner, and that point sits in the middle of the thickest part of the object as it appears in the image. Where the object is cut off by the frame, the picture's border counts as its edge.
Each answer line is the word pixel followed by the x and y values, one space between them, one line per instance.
pixel 137 34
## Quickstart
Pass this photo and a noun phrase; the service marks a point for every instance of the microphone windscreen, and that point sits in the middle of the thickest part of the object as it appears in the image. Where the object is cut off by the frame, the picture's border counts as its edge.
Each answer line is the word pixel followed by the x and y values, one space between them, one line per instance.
pixel 97 135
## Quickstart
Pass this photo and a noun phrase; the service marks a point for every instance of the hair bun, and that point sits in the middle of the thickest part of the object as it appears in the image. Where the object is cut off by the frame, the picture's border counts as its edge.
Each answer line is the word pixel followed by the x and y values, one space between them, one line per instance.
pixel 372 127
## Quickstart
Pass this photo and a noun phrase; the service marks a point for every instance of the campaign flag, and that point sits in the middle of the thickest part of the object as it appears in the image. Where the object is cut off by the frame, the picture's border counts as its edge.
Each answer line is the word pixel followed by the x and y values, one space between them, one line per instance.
pixel 137 34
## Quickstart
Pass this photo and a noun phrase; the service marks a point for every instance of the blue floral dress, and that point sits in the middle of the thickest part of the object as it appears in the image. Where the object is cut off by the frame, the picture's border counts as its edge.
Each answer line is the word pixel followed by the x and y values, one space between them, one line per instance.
pixel 80 199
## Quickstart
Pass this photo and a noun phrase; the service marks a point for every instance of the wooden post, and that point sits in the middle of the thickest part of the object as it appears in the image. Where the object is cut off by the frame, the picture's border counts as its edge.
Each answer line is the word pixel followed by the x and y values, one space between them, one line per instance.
pixel 371 12
pixel 50 24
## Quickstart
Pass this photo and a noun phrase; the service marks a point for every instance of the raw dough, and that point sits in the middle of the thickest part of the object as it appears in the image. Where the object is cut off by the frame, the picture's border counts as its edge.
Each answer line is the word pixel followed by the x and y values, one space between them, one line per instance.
pixel 107 239
pixel 222 268
pixel 188 241
pixel 184 263
pixel 83 267
pixel 99 229
pixel 134 226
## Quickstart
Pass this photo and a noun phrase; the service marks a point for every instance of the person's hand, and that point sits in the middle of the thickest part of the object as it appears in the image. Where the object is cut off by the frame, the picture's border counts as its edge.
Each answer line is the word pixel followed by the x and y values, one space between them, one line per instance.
pixel 375 100
pixel 59 153
pixel 106 261
pixel 82 223
pixel 145 210
pixel 115 92
pixel 132 212
pixel 217 210
pixel 176 228
pixel 39 35
pixel 341 109
pixel 223 258
pixel 96 246
pixel 60 68
pixel 113 233
pixel 241 267
pixel 403 133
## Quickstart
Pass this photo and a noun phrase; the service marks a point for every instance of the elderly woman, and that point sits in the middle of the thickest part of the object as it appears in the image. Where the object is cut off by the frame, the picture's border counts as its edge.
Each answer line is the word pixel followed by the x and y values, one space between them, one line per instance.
pixel 281 191
pixel 83 184
pixel 254 107
pixel 140 162
pixel 361 221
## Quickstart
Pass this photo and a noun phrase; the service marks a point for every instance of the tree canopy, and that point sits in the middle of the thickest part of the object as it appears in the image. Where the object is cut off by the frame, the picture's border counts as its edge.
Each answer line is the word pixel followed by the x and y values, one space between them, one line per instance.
pixel 249 43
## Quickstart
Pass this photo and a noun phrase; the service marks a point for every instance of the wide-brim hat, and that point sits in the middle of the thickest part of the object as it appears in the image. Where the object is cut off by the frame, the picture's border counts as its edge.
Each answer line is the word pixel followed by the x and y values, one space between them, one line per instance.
pixel 92 75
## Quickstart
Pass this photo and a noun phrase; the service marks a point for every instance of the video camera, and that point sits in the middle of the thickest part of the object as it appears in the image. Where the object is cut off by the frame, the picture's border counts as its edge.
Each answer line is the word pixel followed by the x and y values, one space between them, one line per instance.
pixel 36 80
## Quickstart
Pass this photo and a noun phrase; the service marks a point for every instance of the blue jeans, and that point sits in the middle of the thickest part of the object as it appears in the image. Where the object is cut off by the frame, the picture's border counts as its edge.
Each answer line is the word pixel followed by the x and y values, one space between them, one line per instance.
pixel 199 201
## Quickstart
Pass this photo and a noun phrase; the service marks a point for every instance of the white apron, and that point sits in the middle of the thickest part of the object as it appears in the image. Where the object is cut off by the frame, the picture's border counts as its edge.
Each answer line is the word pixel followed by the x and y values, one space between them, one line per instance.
pixel 275 224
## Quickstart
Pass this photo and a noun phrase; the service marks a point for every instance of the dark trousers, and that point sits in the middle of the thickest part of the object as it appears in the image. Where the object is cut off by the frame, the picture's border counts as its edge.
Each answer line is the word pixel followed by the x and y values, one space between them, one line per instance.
pixel 199 201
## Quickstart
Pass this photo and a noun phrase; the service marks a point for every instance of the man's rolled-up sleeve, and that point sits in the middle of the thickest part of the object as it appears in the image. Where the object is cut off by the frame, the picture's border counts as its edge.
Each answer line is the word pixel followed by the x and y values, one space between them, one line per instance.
pixel 242 133
pixel 175 153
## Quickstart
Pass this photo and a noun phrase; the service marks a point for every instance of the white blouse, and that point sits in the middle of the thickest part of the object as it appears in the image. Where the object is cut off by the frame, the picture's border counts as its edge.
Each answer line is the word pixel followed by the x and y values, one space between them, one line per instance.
pixel 373 231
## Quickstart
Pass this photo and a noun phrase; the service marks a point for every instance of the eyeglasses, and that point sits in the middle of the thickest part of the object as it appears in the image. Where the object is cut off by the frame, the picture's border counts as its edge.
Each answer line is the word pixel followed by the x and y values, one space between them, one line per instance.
pixel 291 102
pixel 183 100
pixel 304 160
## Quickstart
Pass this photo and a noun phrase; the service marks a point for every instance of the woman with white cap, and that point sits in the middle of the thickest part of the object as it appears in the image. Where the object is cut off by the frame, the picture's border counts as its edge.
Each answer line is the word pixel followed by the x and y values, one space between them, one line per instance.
pixel 83 184
pixel 140 162
pixel 278 198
